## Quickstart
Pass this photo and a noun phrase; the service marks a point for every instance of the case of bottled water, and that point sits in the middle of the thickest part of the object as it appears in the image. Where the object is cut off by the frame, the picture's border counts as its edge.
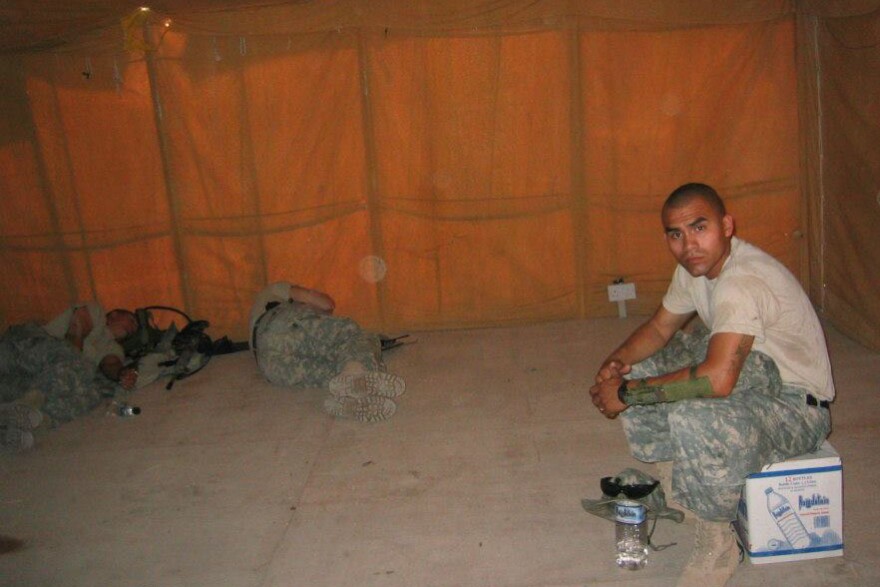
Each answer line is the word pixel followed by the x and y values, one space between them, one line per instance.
pixel 793 510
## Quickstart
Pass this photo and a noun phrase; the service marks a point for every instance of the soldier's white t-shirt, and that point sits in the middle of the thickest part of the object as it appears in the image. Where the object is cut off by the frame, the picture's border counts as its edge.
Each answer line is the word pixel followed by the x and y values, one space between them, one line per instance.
pixel 98 344
pixel 757 295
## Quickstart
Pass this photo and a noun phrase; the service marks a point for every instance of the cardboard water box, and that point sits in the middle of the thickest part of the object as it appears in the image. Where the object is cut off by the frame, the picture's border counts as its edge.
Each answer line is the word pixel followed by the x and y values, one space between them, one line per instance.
pixel 793 510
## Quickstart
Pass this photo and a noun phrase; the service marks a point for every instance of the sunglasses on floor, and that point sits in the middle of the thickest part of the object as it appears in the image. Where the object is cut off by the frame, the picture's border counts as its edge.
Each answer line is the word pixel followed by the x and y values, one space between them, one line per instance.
pixel 612 487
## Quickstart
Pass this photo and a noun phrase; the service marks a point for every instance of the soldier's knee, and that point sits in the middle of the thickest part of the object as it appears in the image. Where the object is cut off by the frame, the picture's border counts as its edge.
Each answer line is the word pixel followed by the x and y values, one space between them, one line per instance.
pixel 693 419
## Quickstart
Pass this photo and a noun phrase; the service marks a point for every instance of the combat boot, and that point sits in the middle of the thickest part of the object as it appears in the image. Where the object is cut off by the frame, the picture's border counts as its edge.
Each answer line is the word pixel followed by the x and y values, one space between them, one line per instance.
pixel 15 439
pixel 20 416
pixel 356 381
pixel 715 556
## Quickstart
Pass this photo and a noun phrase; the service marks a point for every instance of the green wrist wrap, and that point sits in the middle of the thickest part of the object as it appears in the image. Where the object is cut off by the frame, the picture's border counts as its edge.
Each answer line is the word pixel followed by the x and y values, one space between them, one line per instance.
pixel 644 394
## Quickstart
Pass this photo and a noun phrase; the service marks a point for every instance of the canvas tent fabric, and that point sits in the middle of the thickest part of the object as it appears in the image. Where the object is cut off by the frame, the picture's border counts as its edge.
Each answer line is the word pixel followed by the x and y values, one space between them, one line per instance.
pixel 431 164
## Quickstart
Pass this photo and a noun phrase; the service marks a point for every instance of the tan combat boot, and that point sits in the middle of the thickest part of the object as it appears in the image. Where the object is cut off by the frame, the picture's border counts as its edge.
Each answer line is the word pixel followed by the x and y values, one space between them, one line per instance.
pixel 715 556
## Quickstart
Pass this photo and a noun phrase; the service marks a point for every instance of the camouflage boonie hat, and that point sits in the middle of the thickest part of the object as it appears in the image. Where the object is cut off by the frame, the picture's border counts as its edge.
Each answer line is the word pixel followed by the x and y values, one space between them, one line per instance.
pixel 654 502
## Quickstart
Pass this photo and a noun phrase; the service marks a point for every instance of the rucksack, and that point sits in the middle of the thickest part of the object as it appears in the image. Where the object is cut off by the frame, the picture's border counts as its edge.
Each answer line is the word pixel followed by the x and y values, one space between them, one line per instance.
pixel 184 352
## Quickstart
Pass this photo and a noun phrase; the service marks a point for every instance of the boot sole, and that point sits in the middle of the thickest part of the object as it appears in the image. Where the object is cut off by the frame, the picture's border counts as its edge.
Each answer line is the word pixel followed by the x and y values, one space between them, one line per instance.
pixel 372 408
pixel 20 416
pixel 367 384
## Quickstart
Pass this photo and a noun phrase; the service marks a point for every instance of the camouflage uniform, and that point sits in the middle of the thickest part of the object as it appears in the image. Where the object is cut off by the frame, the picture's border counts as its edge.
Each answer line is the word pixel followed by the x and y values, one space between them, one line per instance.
pixel 299 347
pixel 715 443
pixel 31 359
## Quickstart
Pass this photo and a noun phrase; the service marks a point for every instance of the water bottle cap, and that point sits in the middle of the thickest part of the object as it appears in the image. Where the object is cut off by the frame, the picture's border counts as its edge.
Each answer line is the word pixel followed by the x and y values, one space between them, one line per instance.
pixel 135 410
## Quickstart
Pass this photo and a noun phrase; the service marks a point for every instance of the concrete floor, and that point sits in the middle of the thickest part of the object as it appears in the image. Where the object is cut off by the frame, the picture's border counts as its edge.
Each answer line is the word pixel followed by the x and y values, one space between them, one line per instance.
pixel 476 481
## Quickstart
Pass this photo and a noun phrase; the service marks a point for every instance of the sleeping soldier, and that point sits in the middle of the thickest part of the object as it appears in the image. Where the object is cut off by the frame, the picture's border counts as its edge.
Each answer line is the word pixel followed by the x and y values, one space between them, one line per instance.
pixel 299 343
pixel 60 369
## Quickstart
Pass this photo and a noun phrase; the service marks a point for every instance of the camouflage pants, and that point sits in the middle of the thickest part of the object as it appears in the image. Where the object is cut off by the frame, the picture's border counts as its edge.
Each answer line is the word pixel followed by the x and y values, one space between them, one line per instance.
pixel 715 443
pixel 30 359
pixel 298 347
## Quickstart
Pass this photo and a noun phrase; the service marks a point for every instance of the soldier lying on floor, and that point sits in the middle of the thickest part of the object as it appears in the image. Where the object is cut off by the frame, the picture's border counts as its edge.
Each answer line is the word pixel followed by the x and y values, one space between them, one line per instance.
pixel 61 369
pixel 298 343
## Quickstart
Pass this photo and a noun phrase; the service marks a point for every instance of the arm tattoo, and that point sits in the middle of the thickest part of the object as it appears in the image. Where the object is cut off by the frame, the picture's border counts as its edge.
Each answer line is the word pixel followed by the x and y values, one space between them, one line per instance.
pixel 739 356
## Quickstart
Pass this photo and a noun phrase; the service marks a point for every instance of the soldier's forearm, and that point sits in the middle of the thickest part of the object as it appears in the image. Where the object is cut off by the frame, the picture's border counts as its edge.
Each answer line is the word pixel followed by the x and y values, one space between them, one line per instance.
pixel 634 393
pixel 641 344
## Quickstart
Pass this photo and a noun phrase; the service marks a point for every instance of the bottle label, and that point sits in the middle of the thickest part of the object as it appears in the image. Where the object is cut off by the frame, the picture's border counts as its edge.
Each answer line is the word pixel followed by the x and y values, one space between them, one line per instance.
pixel 629 512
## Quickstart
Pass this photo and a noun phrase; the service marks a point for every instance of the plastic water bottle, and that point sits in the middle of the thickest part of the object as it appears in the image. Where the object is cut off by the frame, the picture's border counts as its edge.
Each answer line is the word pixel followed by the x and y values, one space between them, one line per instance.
pixel 126 410
pixel 632 535
pixel 787 519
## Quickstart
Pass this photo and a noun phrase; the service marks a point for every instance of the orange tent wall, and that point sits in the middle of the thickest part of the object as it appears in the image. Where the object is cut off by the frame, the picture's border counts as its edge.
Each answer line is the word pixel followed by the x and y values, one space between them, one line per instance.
pixel 482 169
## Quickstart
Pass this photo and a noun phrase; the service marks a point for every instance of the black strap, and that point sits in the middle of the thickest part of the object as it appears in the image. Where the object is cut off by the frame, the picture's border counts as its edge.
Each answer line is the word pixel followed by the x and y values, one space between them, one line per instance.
pixel 812 401
pixel 386 344
pixel 269 306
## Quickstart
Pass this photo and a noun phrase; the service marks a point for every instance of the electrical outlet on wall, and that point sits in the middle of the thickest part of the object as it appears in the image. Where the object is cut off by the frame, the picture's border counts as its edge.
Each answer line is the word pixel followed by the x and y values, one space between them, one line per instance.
pixel 620 292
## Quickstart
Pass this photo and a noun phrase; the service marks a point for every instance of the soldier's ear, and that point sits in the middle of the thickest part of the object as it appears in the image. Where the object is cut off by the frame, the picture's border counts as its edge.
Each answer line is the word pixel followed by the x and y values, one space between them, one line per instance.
pixel 728 225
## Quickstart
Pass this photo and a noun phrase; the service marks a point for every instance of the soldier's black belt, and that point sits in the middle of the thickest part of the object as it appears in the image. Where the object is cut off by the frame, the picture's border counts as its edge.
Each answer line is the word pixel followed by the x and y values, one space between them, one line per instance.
pixel 269 306
pixel 812 401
